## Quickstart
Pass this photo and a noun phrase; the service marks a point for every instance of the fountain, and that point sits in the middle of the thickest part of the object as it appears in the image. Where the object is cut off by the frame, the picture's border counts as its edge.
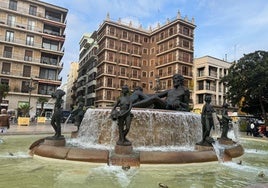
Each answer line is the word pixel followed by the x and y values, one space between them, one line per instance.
pixel 158 137
pixel 166 135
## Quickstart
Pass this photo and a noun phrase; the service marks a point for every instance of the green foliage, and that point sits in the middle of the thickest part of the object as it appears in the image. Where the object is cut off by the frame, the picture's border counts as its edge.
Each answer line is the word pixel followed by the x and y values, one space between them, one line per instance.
pixel 4 89
pixel 243 125
pixel 24 109
pixel 42 100
pixel 247 82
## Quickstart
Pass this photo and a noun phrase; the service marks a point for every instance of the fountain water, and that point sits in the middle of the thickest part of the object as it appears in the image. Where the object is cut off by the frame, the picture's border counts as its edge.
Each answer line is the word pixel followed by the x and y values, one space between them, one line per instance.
pixel 158 137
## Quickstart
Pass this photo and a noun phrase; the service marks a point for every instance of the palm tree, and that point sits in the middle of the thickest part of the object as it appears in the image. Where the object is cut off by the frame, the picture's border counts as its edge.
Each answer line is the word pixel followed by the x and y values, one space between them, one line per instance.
pixel 4 89
pixel 42 100
pixel 24 109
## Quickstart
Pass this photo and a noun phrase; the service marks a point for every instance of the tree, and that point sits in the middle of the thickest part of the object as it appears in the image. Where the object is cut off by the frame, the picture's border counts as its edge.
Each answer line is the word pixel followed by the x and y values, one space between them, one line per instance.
pixel 42 100
pixel 247 83
pixel 24 110
pixel 4 89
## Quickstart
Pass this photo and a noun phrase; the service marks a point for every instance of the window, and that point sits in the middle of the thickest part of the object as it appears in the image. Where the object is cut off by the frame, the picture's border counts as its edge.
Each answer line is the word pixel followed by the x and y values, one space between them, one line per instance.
pixel 171 32
pixel 110 56
pixel 11 20
pixel 51 30
pixel 30 40
pixel 144 74
pixel 52 45
pixel 13 5
pixel 31 25
pixel 4 81
pixel 144 50
pixel 10 36
pixel 111 44
pixel 185 70
pixel 152 50
pixel 134 73
pixel 28 55
pixel 48 74
pixel 201 72
pixel 124 47
pixel 110 69
pixel 136 38
pixel 111 31
pixel 151 73
pixel 122 82
pixel 25 86
pixel 27 71
pixel 109 95
pixel 169 83
pixel 186 43
pixel 32 10
pixel 6 68
pixel 144 63
pixel 122 71
pixel 124 34
pixel 7 52
pixel 200 85
pixel 200 99
pixel 152 62
pixel 46 89
pixel 145 39
pixel 185 31
pixel 208 85
pixel 109 82
pixel 162 36
pixel 53 16
pixel 160 72
pixel 152 40
pixel 134 85
pixel 169 70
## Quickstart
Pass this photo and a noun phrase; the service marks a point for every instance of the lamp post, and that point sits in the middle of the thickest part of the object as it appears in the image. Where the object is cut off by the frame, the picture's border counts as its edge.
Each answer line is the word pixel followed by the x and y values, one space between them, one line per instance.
pixel 30 89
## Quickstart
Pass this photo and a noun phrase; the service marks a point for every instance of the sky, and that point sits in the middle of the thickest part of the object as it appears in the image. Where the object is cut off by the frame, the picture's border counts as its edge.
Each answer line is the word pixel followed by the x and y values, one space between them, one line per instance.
pixel 224 28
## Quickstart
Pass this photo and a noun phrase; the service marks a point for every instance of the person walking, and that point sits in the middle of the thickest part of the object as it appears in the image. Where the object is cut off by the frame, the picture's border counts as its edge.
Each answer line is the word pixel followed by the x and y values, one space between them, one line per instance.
pixel 4 121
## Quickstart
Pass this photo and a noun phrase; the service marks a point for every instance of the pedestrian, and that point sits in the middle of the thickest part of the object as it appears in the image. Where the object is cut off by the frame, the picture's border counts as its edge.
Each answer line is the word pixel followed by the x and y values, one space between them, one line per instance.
pixel 252 126
pixel 4 121
pixel 249 132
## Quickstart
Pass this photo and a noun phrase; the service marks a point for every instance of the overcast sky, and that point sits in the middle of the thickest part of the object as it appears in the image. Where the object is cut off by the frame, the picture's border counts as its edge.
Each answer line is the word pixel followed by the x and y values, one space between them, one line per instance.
pixel 231 27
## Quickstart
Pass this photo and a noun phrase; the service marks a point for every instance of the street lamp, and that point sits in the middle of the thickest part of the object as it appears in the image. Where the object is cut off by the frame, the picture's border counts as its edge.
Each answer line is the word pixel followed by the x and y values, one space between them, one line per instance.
pixel 30 89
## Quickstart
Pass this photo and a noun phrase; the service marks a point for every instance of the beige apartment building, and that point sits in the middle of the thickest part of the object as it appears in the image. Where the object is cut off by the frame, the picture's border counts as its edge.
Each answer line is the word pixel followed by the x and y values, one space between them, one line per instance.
pixel 208 72
pixel 86 82
pixel 31 48
pixel 135 56
pixel 71 78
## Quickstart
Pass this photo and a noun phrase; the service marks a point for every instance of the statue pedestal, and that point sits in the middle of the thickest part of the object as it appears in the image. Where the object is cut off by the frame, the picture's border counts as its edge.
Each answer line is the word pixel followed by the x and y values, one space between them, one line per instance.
pixel 52 141
pixel 74 134
pixel 123 150
pixel 124 156
pixel 225 141
pixel 203 148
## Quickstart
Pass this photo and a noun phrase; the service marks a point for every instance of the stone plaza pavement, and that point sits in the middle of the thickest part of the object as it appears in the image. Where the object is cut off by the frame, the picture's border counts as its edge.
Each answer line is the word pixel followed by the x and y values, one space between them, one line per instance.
pixel 41 128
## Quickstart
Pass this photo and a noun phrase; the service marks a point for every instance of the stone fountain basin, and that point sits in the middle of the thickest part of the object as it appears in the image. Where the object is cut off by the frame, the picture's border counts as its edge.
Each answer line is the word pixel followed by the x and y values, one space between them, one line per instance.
pixel 205 154
pixel 149 128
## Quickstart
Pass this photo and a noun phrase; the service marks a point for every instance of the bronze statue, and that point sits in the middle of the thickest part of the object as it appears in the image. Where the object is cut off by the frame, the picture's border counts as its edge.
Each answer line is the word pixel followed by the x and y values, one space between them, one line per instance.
pixel 138 95
pixel 57 115
pixel 225 122
pixel 177 98
pixel 207 122
pixel 123 116
pixel 78 113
